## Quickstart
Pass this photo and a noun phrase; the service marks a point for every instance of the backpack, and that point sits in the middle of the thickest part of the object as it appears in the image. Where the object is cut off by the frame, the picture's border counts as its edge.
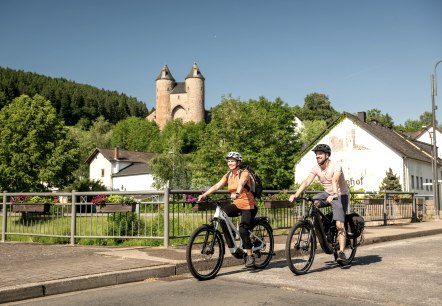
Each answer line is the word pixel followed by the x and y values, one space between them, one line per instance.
pixel 354 224
pixel 255 180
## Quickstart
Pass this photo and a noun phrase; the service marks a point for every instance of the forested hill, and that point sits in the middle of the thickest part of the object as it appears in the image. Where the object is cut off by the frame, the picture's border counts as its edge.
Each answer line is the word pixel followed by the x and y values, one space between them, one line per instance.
pixel 72 101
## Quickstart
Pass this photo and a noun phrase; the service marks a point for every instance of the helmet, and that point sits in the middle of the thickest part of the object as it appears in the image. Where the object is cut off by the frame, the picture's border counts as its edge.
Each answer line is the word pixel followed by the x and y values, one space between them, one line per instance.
pixel 322 147
pixel 234 155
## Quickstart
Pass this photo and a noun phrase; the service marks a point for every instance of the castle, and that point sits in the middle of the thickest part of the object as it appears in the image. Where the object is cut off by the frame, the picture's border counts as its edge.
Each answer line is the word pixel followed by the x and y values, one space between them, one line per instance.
pixel 183 100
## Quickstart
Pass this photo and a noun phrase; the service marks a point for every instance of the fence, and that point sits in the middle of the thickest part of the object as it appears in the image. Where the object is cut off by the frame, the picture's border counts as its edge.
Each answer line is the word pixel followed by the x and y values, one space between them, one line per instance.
pixel 159 216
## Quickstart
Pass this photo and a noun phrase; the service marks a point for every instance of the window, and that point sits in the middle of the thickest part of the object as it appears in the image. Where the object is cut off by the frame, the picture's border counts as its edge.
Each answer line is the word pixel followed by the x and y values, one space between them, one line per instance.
pixel 102 172
pixel 412 182
pixel 426 186
pixel 417 182
pixel 422 183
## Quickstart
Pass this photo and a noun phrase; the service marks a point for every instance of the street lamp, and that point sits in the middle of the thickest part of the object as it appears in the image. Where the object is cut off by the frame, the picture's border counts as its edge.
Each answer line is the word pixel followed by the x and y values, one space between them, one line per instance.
pixel 433 109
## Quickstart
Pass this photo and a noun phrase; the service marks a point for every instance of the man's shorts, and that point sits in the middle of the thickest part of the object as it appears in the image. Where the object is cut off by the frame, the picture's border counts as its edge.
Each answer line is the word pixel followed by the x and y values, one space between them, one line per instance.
pixel 339 206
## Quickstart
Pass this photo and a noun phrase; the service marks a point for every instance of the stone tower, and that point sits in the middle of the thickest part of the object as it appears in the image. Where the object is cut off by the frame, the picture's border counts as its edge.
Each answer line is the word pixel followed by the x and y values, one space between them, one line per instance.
pixel 183 100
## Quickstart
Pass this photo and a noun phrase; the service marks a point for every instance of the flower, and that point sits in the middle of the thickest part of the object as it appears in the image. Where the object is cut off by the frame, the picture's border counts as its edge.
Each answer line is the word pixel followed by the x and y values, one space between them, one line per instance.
pixel 34 199
pixel 102 199
pixel 278 196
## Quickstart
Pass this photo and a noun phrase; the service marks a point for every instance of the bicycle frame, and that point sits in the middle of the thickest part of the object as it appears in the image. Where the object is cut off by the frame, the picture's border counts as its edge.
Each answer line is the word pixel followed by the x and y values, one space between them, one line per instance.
pixel 318 226
pixel 230 232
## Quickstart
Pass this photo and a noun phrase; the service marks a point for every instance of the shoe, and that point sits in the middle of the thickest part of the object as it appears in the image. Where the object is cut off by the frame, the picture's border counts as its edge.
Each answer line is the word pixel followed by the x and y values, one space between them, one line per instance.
pixel 250 261
pixel 342 260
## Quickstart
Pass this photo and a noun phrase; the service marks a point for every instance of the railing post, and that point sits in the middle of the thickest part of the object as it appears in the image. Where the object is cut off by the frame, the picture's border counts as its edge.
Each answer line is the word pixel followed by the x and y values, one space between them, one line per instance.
pixel 413 209
pixel 385 208
pixel 73 217
pixel 5 215
pixel 166 217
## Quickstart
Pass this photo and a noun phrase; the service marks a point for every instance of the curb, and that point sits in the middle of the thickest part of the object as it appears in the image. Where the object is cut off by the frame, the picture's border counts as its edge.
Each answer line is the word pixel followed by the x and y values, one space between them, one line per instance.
pixel 36 290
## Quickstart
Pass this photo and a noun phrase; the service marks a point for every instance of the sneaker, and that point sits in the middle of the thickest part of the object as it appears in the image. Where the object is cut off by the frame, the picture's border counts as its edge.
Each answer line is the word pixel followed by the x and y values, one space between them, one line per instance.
pixel 250 261
pixel 342 260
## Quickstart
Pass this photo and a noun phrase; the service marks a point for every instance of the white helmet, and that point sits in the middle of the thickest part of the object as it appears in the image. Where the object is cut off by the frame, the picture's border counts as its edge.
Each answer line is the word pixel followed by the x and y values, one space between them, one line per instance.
pixel 234 155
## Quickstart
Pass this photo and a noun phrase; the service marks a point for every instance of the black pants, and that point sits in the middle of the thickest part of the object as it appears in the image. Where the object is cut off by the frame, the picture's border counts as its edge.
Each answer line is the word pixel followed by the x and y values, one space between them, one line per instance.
pixel 247 217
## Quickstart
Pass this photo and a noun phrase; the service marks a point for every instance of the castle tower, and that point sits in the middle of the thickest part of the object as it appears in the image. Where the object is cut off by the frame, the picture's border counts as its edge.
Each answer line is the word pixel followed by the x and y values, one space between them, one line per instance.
pixel 194 83
pixel 164 85
pixel 183 100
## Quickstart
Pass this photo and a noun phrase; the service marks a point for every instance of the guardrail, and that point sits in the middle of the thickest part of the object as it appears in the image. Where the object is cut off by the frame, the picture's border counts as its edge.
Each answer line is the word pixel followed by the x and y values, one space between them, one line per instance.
pixel 161 215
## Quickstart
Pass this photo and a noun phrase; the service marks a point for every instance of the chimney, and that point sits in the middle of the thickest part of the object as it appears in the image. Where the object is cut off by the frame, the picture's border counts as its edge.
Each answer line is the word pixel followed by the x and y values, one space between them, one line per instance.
pixel 116 153
pixel 362 116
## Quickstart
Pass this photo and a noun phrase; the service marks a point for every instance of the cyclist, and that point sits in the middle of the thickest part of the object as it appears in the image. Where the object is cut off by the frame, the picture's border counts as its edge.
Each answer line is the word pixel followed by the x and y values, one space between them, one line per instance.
pixel 243 200
pixel 335 191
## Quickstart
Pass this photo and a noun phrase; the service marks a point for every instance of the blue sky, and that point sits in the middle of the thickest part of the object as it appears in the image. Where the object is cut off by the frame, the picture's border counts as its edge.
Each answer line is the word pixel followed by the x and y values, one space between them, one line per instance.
pixel 362 54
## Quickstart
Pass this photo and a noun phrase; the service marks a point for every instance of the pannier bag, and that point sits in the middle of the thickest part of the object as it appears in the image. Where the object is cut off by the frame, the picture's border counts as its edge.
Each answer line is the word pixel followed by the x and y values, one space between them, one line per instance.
pixel 354 224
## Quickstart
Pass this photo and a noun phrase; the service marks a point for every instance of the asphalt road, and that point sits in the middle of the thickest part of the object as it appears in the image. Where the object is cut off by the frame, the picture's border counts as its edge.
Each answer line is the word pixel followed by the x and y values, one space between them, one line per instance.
pixel 404 272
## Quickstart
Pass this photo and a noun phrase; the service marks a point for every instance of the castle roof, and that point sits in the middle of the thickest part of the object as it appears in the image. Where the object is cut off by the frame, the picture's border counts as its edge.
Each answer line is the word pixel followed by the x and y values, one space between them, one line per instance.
pixel 165 74
pixel 179 88
pixel 195 72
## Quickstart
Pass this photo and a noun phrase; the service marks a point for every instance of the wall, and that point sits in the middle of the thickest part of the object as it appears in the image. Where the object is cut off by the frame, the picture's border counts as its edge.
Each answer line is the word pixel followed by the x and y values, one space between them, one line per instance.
pixel 98 163
pixel 133 182
pixel 364 159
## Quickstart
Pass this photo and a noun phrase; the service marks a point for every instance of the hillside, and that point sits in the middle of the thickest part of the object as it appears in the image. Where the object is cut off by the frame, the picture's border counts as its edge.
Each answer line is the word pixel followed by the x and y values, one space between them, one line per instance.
pixel 72 101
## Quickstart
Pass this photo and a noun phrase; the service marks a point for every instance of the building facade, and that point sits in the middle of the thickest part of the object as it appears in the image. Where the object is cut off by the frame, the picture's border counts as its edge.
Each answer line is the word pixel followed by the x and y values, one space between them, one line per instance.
pixel 121 170
pixel 182 100
pixel 366 150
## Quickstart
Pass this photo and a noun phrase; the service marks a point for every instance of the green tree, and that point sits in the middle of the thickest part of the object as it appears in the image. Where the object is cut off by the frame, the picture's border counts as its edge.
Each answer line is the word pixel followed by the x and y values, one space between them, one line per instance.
pixel 376 115
pixel 36 152
pixel 263 131
pixel 101 133
pixel 317 106
pixel 136 134
pixel 171 167
pixel 390 182
pixel 182 137
pixel 311 130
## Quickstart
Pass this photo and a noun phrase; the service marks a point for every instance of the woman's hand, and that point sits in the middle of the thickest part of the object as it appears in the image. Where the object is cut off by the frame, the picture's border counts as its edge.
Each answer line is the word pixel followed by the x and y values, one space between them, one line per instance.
pixel 201 197
pixel 234 196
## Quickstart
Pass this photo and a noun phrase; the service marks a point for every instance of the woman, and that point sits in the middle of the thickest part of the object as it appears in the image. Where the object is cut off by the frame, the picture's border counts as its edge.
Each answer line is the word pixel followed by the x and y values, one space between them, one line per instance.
pixel 239 186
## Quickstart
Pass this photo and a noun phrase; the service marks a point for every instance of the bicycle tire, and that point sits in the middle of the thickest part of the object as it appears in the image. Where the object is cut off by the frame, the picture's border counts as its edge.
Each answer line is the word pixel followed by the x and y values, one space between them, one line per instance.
pixel 203 261
pixel 262 231
pixel 300 248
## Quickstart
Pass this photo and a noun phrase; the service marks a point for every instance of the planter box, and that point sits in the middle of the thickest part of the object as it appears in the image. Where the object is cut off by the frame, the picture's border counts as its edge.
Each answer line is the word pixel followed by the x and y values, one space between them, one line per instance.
pixel 31 207
pixel 116 207
pixel 278 204
pixel 204 206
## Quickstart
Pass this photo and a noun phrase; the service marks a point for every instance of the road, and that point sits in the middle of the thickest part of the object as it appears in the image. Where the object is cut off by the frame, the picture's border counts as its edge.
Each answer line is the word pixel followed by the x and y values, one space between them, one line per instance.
pixel 403 272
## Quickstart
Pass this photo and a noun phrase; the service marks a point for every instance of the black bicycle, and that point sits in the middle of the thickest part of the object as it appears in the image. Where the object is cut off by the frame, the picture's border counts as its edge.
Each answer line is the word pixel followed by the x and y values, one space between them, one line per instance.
pixel 301 244
pixel 206 247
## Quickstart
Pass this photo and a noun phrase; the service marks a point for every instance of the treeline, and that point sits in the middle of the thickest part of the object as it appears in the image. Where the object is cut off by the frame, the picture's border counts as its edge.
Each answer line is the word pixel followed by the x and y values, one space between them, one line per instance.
pixel 73 102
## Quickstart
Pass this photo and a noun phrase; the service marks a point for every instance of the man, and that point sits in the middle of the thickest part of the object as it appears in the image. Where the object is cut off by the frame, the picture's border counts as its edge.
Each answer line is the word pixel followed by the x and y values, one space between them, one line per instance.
pixel 335 191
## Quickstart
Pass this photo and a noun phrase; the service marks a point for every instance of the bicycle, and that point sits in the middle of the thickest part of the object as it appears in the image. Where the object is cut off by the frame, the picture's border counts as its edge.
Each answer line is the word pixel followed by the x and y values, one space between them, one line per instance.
pixel 206 247
pixel 301 244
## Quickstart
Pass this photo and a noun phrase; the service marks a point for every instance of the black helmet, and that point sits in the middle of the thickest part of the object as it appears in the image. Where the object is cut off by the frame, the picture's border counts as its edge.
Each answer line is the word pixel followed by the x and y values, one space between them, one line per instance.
pixel 322 147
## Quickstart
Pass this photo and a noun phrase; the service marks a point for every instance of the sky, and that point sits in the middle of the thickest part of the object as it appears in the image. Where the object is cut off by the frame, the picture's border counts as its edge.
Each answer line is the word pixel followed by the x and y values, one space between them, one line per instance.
pixel 361 54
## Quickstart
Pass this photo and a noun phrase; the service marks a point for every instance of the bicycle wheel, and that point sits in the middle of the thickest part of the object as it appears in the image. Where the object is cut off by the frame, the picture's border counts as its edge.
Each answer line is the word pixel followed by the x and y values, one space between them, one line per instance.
pixel 263 244
pixel 205 252
pixel 300 248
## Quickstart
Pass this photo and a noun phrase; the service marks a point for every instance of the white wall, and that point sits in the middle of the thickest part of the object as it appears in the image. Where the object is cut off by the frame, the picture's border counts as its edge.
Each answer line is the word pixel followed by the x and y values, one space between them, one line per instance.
pixel 133 182
pixel 100 162
pixel 425 137
pixel 364 159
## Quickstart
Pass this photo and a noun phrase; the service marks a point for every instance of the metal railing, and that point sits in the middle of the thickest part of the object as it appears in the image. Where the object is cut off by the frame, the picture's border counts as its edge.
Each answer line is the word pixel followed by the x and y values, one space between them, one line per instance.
pixel 161 215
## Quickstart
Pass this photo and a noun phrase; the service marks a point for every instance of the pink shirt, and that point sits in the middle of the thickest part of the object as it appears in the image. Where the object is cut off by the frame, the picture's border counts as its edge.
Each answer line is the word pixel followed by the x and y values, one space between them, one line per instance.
pixel 325 177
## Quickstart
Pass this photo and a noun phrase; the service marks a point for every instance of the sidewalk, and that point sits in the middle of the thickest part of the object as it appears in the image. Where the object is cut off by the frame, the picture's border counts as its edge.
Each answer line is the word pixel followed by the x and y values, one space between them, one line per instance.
pixel 34 270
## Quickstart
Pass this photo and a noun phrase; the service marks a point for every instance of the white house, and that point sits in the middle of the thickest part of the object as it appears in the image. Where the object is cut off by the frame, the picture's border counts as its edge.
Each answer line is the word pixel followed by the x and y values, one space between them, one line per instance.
pixel 121 169
pixel 366 150
pixel 426 135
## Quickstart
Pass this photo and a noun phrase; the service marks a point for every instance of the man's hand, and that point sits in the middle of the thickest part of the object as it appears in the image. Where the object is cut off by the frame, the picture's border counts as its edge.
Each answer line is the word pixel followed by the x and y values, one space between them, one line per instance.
pixel 331 197
pixel 292 198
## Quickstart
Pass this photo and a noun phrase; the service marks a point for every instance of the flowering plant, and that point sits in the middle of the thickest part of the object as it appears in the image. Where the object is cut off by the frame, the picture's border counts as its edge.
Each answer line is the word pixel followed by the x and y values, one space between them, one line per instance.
pixel 278 196
pixel 34 199
pixel 102 199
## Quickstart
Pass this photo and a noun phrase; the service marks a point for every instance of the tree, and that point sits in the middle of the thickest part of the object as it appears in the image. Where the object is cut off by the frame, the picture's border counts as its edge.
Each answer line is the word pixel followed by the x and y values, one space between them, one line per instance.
pixel 390 182
pixel 173 168
pixel 311 130
pixel 136 134
pixel 376 115
pixel 317 106
pixel 261 130
pixel 36 152
pixel 183 137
